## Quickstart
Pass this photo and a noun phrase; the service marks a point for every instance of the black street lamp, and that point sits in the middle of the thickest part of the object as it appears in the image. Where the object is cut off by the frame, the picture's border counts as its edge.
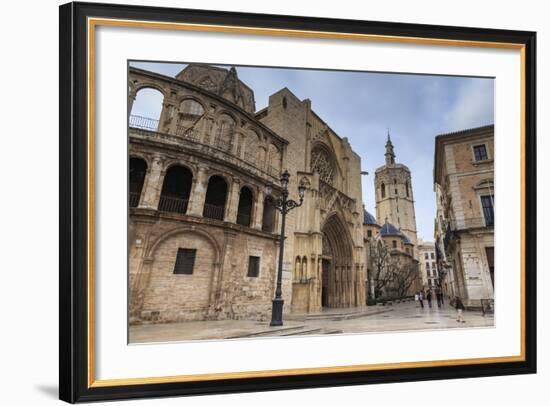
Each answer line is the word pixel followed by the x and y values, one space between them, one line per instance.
pixel 284 205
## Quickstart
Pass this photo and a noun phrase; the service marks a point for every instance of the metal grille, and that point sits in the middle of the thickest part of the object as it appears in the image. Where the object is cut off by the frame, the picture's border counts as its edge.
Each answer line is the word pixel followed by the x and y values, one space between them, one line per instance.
pixel 145 123
pixel 185 261
pixel 213 212
pixel 173 204
pixel 253 267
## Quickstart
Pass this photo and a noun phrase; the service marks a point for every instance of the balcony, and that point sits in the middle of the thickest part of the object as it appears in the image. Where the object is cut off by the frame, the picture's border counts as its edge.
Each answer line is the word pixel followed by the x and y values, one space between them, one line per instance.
pixel 133 199
pixel 213 212
pixel 190 137
pixel 144 123
pixel 173 204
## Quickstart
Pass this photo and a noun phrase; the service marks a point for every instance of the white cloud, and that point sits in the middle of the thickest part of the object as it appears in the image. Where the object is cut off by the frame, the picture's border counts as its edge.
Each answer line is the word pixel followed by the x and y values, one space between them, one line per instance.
pixel 473 106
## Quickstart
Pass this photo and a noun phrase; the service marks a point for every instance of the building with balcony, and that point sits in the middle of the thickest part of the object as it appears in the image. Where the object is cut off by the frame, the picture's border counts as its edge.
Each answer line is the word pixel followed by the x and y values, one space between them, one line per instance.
pixel 203 238
pixel 428 264
pixel 464 226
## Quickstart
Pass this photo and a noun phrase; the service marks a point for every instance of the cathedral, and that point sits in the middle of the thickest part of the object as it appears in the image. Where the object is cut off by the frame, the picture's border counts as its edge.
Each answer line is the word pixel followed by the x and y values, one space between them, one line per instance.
pixel 204 237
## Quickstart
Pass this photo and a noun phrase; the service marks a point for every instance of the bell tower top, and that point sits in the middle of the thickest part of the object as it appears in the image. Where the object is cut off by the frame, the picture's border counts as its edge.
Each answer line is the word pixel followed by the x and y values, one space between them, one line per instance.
pixel 390 155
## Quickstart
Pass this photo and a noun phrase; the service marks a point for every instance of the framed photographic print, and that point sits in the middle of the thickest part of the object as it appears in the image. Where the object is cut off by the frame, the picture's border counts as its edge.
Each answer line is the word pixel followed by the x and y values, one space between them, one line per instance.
pixel 258 202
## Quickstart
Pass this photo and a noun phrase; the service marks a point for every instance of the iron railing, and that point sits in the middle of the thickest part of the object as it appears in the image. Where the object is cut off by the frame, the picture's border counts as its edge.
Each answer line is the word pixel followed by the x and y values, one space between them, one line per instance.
pixel 243 219
pixel 144 123
pixel 133 199
pixel 173 204
pixel 213 212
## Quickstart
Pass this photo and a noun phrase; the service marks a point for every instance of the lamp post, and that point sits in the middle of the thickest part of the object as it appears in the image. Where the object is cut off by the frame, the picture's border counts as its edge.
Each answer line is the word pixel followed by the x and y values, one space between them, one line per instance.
pixel 283 204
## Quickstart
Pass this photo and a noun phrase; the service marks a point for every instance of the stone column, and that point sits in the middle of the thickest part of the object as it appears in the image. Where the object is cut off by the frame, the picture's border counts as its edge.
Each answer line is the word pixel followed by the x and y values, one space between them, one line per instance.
pixel 152 187
pixel 131 99
pixel 168 118
pixel 198 193
pixel 258 210
pixel 233 201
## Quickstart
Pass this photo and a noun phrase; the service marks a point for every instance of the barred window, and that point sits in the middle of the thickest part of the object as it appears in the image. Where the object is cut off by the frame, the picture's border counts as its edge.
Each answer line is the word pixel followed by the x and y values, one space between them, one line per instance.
pixel 253 267
pixel 185 261
pixel 480 152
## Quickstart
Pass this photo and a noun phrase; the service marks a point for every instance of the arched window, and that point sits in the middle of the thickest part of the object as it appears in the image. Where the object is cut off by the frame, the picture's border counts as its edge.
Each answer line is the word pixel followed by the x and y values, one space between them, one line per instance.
pixel 225 133
pixel 304 268
pixel 383 190
pixel 191 108
pixel 407 188
pixel 252 144
pixel 268 219
pixel 244 211
pixel 274 160
pixel 297 269
pixel 138 169
pixel 322 163
pixel 216 195
pixel 176 188
pixel 147 109
pixel 190 112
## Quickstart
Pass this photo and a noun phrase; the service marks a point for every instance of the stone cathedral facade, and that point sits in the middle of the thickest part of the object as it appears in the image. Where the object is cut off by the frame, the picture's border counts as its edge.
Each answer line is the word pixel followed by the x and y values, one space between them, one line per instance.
pixel 203 238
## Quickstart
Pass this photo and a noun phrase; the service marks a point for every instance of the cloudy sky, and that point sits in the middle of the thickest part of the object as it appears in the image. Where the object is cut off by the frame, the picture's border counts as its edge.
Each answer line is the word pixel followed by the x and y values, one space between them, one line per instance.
pixel 362 106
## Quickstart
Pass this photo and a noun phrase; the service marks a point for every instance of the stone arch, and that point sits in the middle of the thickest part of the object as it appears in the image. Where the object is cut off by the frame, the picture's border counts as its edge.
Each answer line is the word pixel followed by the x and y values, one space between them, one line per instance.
pixel 304 268
pixel 149 85
pixel 216 198
pixel 273 159
pixel 176 189
pixel 337 288
pixel 226 130
pixel 178 297
pixel 252 146
pixel 136 179
pixel 245 206
pixel 150 253
pixel 142 115
pixel 176 162
pixel 298 268
pixel 485 184
pixel 145 157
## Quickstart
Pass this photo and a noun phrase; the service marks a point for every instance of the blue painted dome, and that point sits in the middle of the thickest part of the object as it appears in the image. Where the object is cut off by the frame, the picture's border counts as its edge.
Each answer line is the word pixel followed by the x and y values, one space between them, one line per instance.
pixel 389 229
pixel 368 219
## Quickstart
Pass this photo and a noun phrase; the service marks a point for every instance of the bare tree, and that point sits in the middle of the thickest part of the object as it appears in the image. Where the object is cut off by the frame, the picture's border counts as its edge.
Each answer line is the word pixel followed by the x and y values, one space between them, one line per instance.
pixel 403 277
pixel 380 259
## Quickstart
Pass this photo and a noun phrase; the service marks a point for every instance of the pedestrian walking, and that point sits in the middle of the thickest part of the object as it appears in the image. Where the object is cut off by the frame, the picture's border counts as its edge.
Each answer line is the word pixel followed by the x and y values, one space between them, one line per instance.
pixel 429 297
pixel 421 299
pixel 459 306
pixel 438 297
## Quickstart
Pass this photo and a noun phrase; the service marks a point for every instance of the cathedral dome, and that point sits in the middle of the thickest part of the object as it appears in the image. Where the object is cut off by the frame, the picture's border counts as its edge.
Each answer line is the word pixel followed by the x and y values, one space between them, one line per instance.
pixel 389 229
pixel 368 219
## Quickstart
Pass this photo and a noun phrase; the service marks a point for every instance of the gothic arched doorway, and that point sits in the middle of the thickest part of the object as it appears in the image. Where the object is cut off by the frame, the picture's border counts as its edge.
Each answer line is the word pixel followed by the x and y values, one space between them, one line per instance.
pixel 337 276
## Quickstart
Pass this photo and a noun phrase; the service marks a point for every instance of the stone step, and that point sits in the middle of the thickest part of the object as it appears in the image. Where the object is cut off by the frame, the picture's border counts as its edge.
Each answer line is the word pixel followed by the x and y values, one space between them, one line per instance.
pixel 270 332
pixel 339 316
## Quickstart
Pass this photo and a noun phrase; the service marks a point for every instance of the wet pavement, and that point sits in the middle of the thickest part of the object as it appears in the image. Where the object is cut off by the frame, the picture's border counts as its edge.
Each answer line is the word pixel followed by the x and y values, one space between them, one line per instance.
pixel 406 316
